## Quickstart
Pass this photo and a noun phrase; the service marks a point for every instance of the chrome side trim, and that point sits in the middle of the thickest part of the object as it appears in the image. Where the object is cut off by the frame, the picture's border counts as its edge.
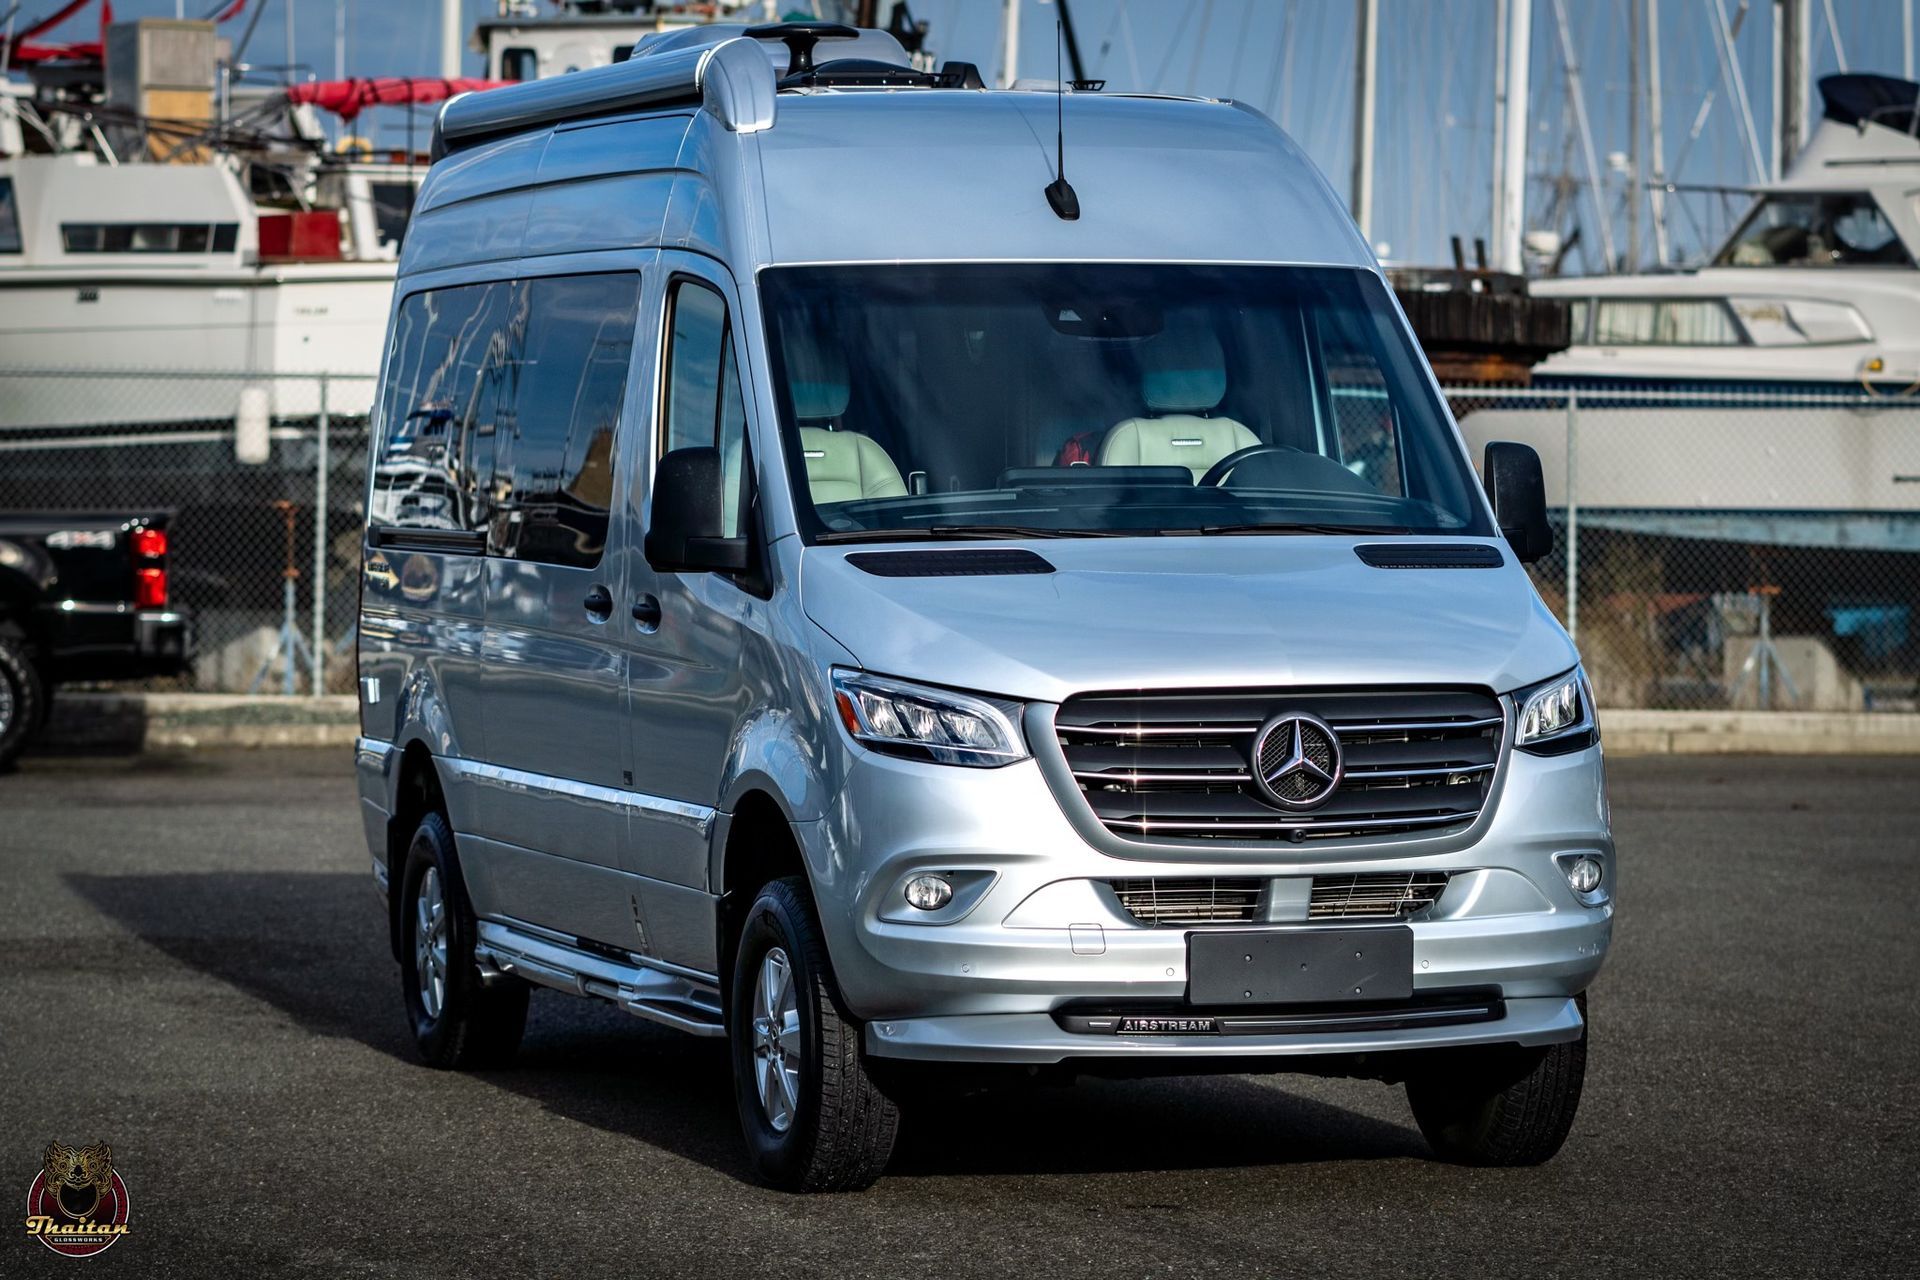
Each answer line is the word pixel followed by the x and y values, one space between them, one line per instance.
pixel 696 817
pixel 372 748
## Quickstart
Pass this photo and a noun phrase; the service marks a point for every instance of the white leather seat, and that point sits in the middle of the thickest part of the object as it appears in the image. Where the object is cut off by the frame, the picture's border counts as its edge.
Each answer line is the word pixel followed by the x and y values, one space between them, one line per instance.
pixel 1183 376
pixel 842 466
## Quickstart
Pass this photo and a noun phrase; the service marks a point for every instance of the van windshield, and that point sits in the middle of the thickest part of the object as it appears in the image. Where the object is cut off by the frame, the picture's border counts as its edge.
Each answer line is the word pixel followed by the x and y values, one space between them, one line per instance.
pixel 1064 400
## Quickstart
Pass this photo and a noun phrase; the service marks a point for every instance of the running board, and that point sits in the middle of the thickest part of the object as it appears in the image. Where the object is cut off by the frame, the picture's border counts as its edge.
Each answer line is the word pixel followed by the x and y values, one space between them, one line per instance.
pixel 665 993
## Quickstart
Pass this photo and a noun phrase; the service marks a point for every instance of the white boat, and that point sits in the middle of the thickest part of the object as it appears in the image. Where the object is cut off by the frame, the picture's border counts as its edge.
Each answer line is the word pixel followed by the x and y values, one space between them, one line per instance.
pixel 1772 397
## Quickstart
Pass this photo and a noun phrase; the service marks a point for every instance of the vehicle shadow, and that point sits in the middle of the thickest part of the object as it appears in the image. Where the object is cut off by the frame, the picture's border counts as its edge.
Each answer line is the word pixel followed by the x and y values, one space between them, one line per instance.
pixel 312 945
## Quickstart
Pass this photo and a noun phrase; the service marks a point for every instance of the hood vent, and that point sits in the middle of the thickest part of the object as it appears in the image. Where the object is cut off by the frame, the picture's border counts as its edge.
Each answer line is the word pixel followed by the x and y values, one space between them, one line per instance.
pixel 1430 555
pixel 949 564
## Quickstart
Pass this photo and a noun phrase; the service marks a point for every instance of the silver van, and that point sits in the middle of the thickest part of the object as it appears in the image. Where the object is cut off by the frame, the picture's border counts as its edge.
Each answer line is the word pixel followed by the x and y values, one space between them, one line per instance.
pixel 887 599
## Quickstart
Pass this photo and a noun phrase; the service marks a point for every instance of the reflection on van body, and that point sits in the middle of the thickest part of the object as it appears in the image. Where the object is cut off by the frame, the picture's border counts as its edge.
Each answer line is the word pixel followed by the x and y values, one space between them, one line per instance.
pixel 954 632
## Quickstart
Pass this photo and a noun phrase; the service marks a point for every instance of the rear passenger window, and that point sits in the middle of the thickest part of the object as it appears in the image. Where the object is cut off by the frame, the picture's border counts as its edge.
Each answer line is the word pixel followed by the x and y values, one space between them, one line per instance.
pixel 704 403
pixel 500 412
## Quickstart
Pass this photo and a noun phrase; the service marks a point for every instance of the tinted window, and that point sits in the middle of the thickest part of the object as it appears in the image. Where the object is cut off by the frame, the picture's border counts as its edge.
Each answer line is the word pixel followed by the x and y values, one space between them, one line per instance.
pixel 147 237
pixel 568 387
pixel 1838 229
pixel 9 219
pixel 452 353
pixel 704 404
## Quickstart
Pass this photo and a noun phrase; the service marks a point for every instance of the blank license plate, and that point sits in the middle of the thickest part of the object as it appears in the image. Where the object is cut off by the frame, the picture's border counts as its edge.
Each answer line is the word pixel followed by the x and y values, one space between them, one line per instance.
pixel 1300 966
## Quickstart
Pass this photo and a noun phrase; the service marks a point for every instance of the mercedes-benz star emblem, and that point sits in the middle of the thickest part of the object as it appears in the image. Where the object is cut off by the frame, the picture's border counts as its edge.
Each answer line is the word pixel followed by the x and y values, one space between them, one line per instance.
pixel 1296 760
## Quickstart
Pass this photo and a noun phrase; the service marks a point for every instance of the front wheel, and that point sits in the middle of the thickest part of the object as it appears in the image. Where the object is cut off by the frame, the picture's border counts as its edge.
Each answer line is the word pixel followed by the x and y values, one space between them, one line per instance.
pixel 1504 1105
pixel 813 1116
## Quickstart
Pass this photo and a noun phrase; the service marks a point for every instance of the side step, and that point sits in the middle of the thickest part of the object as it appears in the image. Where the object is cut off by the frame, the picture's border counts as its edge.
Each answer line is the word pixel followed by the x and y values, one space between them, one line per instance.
pixel 681 998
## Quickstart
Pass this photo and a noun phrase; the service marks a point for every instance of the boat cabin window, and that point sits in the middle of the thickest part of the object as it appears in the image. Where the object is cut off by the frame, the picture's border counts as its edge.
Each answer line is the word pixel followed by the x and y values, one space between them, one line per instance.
pixel 149 237
pixel 1817 229
pixel 9 219
pixel 1674 322
pixel 519 63
pixel 392 210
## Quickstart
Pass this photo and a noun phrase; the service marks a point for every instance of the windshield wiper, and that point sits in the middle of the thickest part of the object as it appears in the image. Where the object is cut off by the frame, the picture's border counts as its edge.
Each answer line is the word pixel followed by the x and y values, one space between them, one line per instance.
pixel 968 532
pixel 1363 530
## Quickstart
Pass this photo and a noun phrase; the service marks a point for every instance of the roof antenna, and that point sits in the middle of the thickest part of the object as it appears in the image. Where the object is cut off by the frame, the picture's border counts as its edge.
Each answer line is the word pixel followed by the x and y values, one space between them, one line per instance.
pixel 1060 194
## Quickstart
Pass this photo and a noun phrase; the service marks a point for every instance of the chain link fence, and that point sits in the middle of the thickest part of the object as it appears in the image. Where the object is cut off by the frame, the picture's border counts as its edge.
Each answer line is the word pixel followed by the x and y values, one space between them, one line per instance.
pixel 1728 549
pixel 1715 550
pixel 264 553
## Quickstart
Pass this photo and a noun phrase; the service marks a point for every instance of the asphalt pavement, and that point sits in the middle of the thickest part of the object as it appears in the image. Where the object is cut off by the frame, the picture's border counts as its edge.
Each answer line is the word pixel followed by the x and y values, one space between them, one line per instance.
pixel 193 969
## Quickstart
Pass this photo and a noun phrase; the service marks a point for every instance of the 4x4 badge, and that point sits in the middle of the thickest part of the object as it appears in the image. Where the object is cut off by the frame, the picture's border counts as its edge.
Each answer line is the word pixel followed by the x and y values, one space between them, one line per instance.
pixel 1296 760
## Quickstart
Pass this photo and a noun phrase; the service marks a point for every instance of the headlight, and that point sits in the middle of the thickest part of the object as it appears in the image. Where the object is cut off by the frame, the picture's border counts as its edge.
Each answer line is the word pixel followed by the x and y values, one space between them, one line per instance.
pixel 1556 717
pixel 924 723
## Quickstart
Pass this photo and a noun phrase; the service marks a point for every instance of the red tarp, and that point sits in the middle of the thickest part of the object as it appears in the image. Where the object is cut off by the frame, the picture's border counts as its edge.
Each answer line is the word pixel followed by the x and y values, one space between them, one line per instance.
pixel 348 98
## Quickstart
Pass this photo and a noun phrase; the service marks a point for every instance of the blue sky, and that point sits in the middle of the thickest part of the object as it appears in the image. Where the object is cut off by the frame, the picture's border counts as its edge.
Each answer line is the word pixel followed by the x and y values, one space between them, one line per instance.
pixel 1294 59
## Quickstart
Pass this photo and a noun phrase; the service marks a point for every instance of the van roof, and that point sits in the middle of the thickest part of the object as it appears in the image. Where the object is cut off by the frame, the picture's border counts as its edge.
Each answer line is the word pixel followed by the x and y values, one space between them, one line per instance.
pixel 698 148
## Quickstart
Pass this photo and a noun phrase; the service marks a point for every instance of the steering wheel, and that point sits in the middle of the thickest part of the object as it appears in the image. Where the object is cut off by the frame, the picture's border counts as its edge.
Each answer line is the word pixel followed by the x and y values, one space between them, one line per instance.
pixel 1221 469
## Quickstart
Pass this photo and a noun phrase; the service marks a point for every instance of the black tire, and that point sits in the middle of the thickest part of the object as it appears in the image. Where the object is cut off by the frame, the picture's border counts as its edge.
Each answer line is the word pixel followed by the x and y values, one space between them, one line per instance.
pixel 23 696
pixel 476 1024
pixel 840 1132
pixel 1501 1106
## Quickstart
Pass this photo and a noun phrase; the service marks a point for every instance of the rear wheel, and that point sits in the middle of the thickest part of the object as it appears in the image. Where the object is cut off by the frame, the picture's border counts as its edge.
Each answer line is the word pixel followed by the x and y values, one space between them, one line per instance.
pixel 813 1116
pixel 458 1020
pixel 1501 1105
pixel 23 696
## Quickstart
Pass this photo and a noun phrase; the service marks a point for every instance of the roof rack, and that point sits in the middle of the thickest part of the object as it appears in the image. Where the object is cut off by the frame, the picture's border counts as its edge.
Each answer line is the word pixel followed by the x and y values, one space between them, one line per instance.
pixel 733 79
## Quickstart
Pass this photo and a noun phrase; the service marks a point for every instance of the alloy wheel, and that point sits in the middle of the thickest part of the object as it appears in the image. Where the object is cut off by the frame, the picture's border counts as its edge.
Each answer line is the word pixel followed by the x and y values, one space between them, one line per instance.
pixel 776 1040
pixel 430 942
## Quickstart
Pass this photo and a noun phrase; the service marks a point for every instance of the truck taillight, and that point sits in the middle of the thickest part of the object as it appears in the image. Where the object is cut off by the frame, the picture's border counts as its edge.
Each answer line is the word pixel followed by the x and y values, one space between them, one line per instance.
pixel 150 588
pixel 150 544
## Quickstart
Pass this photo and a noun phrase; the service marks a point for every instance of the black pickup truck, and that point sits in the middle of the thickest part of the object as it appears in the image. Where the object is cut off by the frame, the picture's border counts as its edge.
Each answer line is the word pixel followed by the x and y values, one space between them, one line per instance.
pixel 83 596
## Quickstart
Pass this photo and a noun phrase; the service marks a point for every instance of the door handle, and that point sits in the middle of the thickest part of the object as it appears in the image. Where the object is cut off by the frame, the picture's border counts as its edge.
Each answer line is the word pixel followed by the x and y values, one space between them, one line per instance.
pixel 646 613
pixel 599 604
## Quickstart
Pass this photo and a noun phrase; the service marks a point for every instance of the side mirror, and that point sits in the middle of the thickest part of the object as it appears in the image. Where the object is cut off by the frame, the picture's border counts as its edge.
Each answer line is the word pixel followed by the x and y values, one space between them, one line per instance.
pixel 1511 473
pixel 689 501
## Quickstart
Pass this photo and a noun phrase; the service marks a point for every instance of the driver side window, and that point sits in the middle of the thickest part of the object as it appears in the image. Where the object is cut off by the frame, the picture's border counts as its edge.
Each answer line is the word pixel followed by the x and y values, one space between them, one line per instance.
pixel 704 404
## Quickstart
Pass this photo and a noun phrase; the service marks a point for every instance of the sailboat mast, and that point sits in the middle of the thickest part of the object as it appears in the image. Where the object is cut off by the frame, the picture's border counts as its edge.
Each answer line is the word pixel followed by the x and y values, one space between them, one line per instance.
pixel 1009 42
pixel 1510 222
pixel 1656 141
pixel 1793 41
pixel 1366 45
pixel 1499 123
pixel 450 39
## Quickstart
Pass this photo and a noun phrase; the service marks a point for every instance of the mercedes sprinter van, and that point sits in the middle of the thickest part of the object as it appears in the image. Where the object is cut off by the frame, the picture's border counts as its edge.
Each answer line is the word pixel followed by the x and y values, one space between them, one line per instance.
pixel 891 573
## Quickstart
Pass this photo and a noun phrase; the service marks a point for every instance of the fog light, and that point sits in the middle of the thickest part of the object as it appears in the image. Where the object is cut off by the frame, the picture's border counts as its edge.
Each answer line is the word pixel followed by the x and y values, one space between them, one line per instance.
pixel 1583 875
pixel 930 893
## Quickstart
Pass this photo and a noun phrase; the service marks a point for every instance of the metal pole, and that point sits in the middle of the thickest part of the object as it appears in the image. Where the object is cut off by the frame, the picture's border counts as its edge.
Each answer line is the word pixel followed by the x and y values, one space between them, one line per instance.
pixel 1573 515
pixel 1906 39
pixel 1009 42
pixel 1635 190
pixel 1736 82
pixel 1578 93
pixel 290 38
pixel 1513 181
pixel 1655 141
pixel 450 33
pixel 1366 50
pixel 1793 47
pixel 1494 236
pixel 320 547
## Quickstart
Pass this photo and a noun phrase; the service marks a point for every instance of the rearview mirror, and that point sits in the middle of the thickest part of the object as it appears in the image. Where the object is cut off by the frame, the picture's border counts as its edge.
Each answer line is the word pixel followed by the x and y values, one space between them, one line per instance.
pixel 1511 473
pixel 685 534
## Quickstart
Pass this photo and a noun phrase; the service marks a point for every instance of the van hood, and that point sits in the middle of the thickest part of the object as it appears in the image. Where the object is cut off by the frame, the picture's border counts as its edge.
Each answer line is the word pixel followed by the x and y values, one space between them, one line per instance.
pixel 1258 611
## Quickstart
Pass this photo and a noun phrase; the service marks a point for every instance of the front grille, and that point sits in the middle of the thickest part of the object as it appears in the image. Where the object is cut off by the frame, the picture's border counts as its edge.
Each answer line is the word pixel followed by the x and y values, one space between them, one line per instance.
pixel 1375 894
pixel 1157 766
pixel 1191 900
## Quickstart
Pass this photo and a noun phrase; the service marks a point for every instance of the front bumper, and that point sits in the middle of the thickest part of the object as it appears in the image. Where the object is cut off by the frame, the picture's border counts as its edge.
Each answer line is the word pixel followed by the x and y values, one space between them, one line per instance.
pixel 1040 929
